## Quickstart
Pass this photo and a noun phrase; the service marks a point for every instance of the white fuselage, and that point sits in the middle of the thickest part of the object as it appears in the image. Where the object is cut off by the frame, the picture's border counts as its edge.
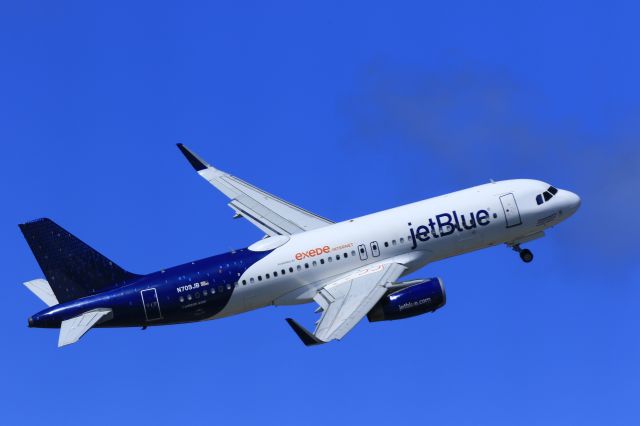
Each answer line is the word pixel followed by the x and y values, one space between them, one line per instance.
pixel 417 234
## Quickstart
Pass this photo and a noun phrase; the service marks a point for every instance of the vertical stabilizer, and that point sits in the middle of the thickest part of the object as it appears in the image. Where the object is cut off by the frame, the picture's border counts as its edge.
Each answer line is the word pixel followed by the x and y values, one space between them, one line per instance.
pixel 72 268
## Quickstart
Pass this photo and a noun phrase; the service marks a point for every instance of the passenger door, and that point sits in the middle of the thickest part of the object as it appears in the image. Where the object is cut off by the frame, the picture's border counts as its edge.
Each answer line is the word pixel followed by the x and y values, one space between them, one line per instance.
pixel 511 212
pixel 151 304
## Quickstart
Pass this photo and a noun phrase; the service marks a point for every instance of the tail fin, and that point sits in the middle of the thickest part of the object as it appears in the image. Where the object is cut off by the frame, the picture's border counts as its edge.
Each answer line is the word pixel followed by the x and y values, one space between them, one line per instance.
pixel 72 268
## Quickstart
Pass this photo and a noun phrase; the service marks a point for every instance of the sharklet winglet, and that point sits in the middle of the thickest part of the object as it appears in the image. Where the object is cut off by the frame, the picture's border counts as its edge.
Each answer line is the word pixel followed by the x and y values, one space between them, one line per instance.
pixel 307 337
pixel 197 162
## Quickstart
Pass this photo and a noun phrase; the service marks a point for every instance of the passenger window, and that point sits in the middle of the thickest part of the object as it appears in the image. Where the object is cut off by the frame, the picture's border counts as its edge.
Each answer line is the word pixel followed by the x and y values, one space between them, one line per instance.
pixel 314 263
pixel 275 274
pixel 259 277
pixel 393 242
pixel 322 261
pixel 547 195
pixel 401 240
pixel 197 295
pixel 220 288
pixel 299 268
pixel 205 292
pixel 228 286
pixel 251 280
pixel 181 299
pixel 290 269
pixel 329 259
pixel 189 297
pixel 283 272
pixel 337 257
pixel 345 255
pixel 244 282
pixel 386 244
pixel 539 199
pixel 266 276
pixel 353 252
pixel 306 266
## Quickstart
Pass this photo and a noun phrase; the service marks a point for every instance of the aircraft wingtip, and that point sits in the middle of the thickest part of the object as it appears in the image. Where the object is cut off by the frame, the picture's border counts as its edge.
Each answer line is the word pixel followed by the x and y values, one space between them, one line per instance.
pixel 307 337
pixel 194 160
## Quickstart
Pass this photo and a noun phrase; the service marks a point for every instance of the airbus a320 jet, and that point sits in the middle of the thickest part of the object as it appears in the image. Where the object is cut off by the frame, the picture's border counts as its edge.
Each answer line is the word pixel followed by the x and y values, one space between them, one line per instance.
pixel 350 269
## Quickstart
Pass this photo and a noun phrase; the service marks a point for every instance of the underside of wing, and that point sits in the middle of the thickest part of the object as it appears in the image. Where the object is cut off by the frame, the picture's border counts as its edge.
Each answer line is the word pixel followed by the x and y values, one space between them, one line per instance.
pixel 271 214
pixel 346 301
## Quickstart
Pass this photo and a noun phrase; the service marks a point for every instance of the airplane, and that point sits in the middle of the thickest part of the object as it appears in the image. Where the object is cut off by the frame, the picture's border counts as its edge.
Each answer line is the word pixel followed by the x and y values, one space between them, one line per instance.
pixel 350 269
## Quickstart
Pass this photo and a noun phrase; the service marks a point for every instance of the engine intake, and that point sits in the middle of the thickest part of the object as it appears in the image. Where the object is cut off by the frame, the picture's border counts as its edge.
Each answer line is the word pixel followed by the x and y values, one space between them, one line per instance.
pixel 408 299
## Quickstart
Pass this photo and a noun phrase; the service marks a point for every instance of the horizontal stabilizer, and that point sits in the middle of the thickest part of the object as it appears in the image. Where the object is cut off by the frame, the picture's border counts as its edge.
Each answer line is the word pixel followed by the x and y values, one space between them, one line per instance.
pixel 42 289
pixel 73 329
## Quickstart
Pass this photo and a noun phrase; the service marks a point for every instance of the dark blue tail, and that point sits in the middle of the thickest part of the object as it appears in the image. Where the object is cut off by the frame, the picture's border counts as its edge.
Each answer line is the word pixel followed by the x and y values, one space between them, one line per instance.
pixel 72 268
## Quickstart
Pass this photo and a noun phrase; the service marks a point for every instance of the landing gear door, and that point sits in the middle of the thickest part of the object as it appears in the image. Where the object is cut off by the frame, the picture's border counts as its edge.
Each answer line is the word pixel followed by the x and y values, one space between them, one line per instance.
pixel 511 212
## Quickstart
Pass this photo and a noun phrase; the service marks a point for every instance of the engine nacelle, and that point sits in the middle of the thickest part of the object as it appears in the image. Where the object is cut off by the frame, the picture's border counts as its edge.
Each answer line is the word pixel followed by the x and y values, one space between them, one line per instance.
pixel 408 299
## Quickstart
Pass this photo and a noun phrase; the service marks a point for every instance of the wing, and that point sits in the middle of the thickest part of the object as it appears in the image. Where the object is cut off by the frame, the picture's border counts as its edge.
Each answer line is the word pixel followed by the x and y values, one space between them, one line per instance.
pixel 266 211
pixel 73 329
pixel 346 301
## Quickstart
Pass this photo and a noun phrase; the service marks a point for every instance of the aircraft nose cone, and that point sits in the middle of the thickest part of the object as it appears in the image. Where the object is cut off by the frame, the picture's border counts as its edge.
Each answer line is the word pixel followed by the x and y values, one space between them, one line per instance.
pixel 572 201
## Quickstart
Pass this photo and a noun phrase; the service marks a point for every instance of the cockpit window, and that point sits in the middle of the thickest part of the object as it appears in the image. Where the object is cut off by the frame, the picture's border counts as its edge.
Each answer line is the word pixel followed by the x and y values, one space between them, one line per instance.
pixel 548 194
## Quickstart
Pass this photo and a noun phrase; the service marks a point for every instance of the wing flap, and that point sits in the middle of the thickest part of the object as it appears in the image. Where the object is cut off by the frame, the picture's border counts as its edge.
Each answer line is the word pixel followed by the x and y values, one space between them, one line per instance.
pixel 73 329
pixel 263 218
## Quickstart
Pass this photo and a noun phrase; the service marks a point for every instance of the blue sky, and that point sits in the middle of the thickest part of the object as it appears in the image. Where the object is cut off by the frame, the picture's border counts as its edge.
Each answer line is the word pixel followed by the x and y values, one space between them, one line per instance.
pixel 344 109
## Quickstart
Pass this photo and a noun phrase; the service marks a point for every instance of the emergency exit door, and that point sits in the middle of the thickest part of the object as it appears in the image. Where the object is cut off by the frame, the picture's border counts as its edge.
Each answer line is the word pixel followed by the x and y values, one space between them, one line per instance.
pixel 362 250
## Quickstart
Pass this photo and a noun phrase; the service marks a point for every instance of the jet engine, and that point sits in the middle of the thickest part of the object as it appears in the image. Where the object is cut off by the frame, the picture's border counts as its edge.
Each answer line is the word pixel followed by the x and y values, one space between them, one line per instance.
pixel 408 299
